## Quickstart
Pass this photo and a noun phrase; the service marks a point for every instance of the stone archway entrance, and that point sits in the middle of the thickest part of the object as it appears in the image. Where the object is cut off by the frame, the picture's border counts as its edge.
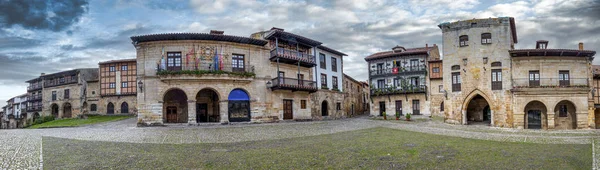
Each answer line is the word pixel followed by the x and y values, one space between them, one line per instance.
pixel 565 116
pixel 324 108
pixel 207 106
pixel 124 107
pixel 175 107
pixel 67 110
pixel 478 111
pixel 110 109
pixel 239 106
pixel 54 110
pixel 536 116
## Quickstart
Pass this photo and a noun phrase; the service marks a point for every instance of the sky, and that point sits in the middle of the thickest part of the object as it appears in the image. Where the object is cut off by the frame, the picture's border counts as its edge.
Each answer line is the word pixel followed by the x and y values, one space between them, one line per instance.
pixel 47 36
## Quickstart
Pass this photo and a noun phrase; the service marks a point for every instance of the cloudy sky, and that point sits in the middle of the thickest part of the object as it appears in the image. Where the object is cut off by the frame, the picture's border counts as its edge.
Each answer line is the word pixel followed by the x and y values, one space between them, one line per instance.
pixel 48 36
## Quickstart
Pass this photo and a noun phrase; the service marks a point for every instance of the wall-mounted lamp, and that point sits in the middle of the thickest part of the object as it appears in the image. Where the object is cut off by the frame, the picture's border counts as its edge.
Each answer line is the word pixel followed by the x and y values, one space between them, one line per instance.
pixel 140 85
pixel 465 62
pixel 269 84
pixel 485 60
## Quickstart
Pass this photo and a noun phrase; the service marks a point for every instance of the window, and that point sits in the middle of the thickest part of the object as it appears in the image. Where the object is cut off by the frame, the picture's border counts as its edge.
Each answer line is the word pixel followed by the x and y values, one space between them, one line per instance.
pixel 322 61
pixel 111 85
pixel 93 107
pixel 338 106
pixel 333 64
pixel 497 64
pixel 455 67
pixel 414 64
pixel 534 78
pixel 323 80
pixel 124 68
pixel 66 93
pixel 379 68
pixel 416 107
pixel 93 92
pixel 303 104
pixel 456 81
pixel 62 80
pixel 174 61
pixel 442 107
pixel 396 82
pixel 563 111
pixel 436 69
pixel 237 63
pixel 301 79
pixel 53 95
pixel 399 106
pixel 563 78
pixel 486 38
pixel 496 79
pixel 124 84
pixel 464 40
pixel 380 84
pixel 441 89
pixel 111 68
pixel 334 82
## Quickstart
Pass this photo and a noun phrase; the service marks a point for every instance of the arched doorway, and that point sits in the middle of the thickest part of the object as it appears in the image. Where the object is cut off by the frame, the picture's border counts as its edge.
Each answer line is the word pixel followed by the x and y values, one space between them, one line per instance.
pixel 324 108
pixel 110 108
pixel 36 116
pixel 54 110
pixel 535 115
pixel 239 106
pixel 207 106
pixel 478 111
pixel 124 107
pixel 565 116
pixel 67 110
pixel 175 106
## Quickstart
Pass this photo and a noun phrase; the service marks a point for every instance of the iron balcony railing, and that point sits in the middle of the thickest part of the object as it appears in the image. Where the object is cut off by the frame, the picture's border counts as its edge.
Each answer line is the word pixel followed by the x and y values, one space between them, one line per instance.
pixel 207 68
pixel 55 82
pixel 399 90
pixel 550 83
pixel 34 97
pixel 292 55
pixel 36 86
pixel 293 84
pixel 398 70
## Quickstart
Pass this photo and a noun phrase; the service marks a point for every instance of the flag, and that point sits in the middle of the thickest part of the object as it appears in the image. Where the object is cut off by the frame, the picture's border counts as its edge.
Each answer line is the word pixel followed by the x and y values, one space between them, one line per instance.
pixel 216 59
pixel 187 57
pixel 221 59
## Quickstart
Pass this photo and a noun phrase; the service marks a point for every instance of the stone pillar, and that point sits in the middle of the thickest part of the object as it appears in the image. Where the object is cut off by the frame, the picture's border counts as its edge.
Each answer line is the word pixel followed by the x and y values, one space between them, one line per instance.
pixel 224 112
pixel 192 112
pixel 551 121
pixel 582 120
pixel 464 117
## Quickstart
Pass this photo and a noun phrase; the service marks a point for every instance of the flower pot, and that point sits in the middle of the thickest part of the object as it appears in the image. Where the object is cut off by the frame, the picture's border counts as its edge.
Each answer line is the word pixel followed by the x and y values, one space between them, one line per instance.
pixel 397 118
pixel 407 119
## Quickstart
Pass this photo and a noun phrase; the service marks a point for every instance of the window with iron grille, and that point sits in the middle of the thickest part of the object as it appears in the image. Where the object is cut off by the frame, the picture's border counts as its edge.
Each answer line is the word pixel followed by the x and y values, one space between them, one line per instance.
pixel 456 81
pixel 463 40
pixel 93 107
pixel 486 38
pixel 333 64
pixel 322 61
pixel 496 79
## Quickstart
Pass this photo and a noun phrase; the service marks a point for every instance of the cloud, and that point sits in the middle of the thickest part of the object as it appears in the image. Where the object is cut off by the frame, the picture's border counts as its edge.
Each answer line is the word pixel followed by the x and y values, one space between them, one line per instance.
pixel 42 15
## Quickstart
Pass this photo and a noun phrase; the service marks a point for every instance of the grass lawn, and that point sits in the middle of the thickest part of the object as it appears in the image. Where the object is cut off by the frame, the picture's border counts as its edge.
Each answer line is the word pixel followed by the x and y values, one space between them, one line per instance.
pixel 78 122
pixel 377 148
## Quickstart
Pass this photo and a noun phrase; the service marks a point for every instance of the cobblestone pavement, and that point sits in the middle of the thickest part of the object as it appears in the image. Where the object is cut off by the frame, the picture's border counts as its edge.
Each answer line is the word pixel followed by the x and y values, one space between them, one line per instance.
pixel 21 148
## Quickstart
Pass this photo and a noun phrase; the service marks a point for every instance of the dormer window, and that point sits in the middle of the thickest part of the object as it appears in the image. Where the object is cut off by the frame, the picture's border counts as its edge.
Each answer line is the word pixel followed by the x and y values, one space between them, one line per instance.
pixel 541 44
pixel 398 49
pixel 464 40
pixel 486 38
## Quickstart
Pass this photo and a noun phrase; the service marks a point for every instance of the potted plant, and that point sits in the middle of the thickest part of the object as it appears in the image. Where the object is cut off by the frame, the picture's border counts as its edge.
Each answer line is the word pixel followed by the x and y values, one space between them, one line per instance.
pixel 384 116
pixel 408 117
pixel 397 115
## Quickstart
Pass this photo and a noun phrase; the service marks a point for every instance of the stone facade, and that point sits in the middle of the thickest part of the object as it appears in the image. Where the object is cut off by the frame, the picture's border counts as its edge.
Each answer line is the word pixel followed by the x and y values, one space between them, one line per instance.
pixel 325 104
pixel 355 100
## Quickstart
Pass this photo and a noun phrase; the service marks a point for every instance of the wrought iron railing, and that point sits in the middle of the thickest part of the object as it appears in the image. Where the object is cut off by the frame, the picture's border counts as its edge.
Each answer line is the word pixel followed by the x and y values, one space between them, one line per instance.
pixel 397 70
pixel 549 83
pixel 208 68
pixel 399 90
pixel 291 83
pixel 294 55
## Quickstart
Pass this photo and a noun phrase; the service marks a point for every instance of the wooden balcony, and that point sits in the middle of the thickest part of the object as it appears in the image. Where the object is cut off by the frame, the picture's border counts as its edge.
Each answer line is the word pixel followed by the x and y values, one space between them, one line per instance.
pixel 292 57
pixel 282 83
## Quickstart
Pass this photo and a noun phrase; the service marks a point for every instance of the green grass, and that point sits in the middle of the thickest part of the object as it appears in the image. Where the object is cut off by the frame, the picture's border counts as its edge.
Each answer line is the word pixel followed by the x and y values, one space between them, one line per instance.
pixel 377 148
pixel 78 122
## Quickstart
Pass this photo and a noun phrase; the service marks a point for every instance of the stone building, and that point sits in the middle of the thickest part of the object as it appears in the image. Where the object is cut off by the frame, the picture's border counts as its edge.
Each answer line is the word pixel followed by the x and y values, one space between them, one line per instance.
pixel 436 87
pixel 34 99
pixel 493 83
pixel 63 93
pixel 327 101
pixel 595 94
pixel 399 79
pixel 115 90
pixel 355 97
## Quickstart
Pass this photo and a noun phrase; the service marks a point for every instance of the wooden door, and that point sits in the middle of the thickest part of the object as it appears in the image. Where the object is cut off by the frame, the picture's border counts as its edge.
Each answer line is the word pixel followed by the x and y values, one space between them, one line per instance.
pixel 287 109
pixel 171 114
pixel 381 108
pixel 399 107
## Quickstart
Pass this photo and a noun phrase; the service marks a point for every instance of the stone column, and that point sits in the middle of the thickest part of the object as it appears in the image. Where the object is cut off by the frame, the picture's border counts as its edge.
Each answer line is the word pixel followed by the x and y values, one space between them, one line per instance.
pixel 224 112
pixel 582 120
pixel 192 112
pixel 550 118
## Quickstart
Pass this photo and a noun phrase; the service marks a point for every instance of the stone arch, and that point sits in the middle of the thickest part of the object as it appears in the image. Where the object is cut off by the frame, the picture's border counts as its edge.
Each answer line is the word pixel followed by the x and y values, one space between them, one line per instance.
pixel 565 115
pixel 67 110
pixel 467 100
pixel 207 105
pixel 110 108
pixel 238 105
pixel 36 116
pixel 124 107
pixel 535 115
pixel 175 106
pixel 54 110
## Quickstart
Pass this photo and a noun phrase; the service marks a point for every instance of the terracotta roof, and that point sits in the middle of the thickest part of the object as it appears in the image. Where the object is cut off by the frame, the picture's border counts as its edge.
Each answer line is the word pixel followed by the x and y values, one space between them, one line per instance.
pixel 196 36
pixel 118 61
pixel 299 38
pixel 324 48
pixel 385 54
pixel 551 52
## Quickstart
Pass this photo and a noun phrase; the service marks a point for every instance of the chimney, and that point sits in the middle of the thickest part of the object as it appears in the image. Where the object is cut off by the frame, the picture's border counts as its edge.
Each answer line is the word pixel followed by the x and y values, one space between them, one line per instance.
pixel 278 29
pixel 216 32
pixel 43 74
pixel 580 45
pixel 426 46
